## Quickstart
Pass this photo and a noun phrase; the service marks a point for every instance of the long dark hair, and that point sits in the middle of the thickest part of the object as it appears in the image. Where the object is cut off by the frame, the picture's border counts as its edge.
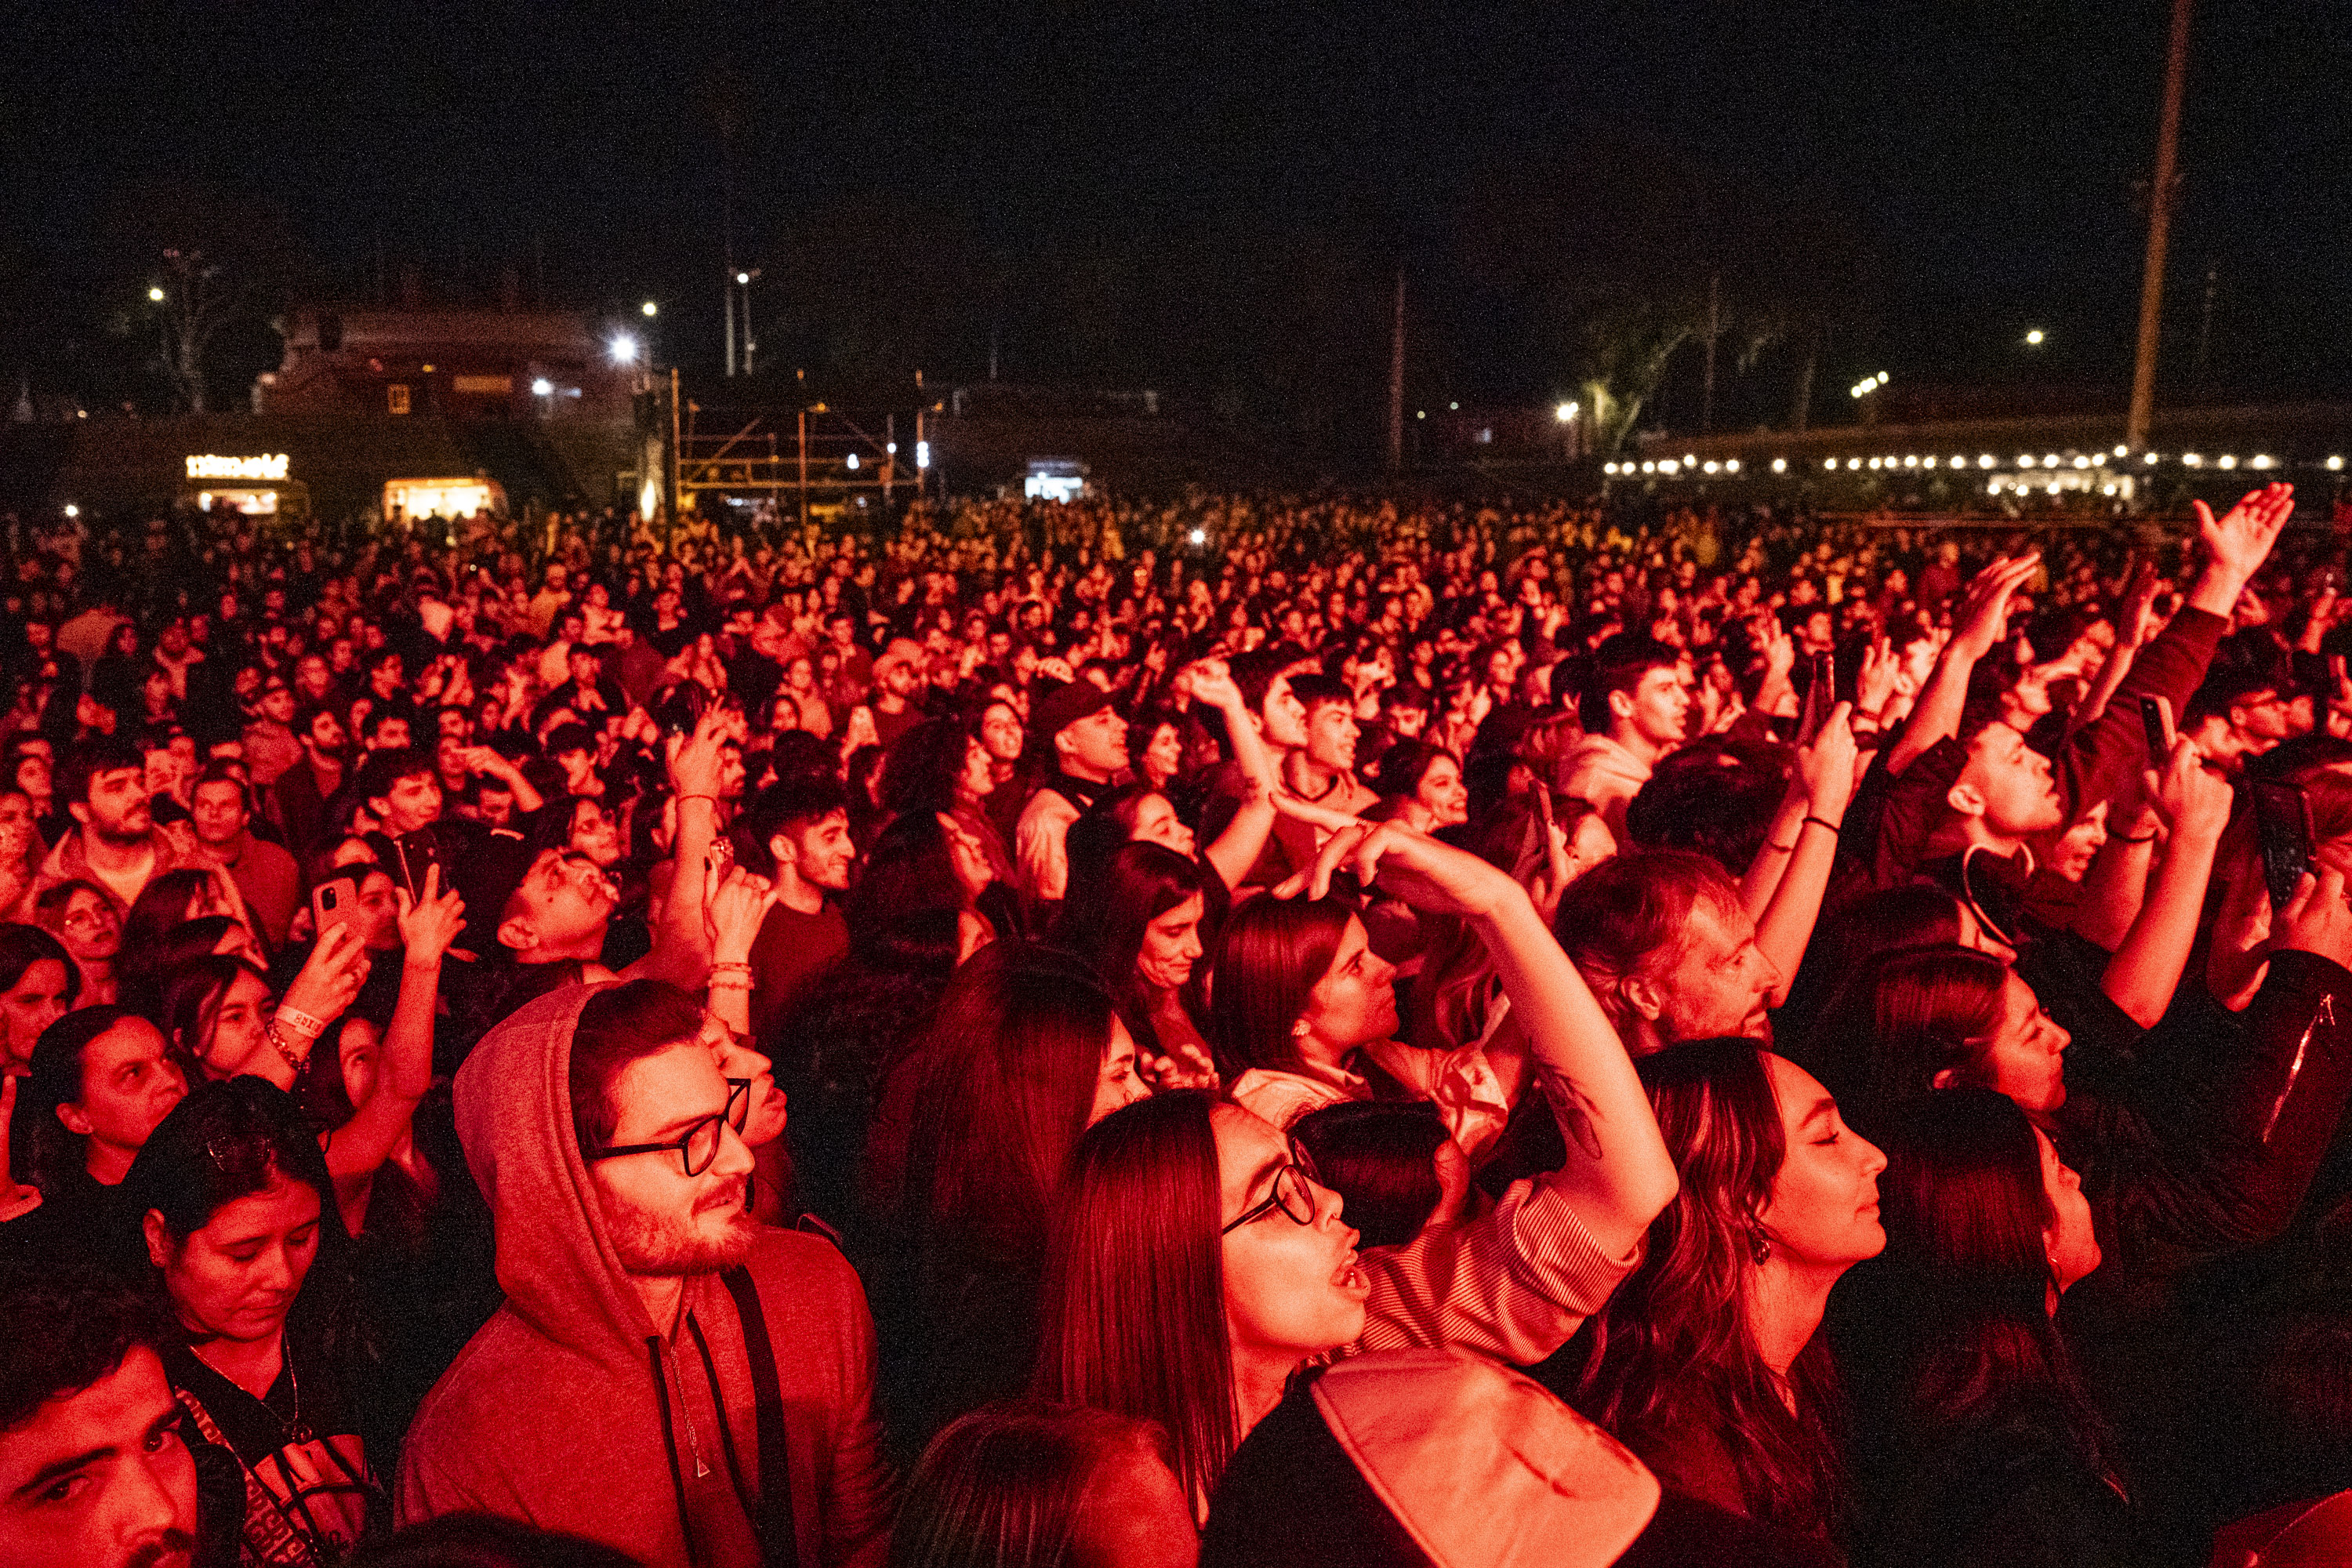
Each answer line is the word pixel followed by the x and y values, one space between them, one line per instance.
pixel 1269 957
pixel 1903 1018
pixel 23 946
pixel 1134 1317
pixel 191 1002
pixel 229 1139
pixel 1966 1275
pixel 1005 1486
pixel 44 1152
pixel 1106 918
pixel 1008 1073
pixel 1675 1345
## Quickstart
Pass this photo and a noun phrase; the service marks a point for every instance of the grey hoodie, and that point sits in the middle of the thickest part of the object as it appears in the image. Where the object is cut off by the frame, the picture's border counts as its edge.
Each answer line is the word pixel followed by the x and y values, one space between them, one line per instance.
pixel 564 1411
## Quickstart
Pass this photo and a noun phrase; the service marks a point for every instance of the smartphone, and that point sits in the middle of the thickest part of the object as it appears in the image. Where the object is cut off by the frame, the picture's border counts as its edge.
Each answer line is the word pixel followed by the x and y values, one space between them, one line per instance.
pixel 2283 823
pixel 333 902
pixel 1821 696
pixel 417 854
pixel 2156 718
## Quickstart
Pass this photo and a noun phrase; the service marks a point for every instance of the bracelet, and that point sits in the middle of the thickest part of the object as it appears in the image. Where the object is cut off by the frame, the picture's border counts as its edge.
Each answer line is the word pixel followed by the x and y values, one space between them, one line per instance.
pixel 736 964
pixel 1819 822
pixel 2119 839
pixel 285 1053
pixel 730 983
pixel 711 798
pixel 301 1023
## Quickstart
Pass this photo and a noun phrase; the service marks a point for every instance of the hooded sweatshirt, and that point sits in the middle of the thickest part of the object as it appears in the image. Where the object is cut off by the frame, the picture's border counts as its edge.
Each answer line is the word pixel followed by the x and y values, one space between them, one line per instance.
pixel 1605 773
pixel 571 1411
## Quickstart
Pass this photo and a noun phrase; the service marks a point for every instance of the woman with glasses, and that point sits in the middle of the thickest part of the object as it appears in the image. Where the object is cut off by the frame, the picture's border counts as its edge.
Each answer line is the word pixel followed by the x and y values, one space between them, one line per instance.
pixel 236 1222
pixel 1195 1262
pixel 85 920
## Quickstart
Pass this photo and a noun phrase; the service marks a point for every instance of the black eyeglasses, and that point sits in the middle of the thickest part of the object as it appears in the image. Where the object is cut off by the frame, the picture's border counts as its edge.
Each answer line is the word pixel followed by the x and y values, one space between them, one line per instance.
pixel 700 1146
pixel 1293 1192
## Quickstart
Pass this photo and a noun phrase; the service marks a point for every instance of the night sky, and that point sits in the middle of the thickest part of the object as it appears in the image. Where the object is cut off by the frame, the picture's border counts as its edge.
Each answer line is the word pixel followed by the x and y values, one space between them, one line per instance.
pixel 1211 199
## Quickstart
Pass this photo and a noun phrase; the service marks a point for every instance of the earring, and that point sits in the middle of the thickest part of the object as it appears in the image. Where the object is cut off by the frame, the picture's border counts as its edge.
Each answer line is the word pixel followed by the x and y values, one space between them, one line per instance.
pixel 1759 1245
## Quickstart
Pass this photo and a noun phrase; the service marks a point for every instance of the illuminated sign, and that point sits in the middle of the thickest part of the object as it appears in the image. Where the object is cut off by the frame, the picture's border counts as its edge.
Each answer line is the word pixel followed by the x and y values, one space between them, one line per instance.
pixel 211 465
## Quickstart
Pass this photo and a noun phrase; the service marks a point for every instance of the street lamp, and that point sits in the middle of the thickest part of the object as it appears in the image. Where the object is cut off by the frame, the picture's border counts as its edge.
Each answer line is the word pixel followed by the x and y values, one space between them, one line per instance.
pixel 650 310
pixel 743 281
pixel 2034 336
pixel 156 292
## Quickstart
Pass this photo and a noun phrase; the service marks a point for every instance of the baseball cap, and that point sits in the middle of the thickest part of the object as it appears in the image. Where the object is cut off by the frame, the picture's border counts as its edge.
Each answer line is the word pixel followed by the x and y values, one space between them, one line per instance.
pixel 1065 706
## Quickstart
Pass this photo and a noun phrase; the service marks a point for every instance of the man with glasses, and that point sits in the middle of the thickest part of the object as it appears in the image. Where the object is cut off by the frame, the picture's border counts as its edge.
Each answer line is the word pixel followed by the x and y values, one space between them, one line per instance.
pixel 667 1376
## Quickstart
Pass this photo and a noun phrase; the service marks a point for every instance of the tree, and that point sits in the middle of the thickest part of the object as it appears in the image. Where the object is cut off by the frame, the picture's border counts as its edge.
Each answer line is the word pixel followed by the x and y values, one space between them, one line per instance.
pixel 213 265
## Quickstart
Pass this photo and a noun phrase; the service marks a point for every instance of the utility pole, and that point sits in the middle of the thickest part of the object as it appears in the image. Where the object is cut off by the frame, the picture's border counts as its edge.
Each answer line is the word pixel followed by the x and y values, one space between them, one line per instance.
pixel 1714 325
pixel 1396 382
pixel 2159 233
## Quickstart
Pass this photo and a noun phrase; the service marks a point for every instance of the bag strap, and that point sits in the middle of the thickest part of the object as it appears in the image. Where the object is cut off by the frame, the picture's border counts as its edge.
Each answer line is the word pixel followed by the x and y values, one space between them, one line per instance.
pixel 778 1536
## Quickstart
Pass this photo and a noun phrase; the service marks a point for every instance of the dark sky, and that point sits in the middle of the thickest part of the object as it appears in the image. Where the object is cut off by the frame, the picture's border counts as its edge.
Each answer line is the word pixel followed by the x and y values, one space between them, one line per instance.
pixel 1981 157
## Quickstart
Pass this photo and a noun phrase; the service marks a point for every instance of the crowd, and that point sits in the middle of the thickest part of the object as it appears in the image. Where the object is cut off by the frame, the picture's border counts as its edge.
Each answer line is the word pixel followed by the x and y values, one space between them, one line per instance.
pixel 1252 1031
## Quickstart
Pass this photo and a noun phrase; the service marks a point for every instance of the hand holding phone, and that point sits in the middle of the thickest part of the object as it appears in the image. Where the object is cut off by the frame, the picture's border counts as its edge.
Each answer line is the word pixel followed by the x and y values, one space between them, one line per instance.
pixel 2156 719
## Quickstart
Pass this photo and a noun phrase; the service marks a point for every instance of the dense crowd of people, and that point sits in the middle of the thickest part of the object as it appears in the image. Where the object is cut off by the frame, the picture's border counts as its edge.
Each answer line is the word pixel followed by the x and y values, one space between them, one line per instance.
pixel 1244 1031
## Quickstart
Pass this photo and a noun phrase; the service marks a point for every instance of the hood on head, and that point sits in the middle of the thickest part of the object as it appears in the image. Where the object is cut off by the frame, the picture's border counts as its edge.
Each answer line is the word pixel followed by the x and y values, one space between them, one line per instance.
pixel 514 1119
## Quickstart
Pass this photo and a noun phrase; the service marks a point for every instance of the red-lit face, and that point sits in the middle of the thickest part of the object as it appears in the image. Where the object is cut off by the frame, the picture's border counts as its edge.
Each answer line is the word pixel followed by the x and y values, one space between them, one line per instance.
pixel 100 1476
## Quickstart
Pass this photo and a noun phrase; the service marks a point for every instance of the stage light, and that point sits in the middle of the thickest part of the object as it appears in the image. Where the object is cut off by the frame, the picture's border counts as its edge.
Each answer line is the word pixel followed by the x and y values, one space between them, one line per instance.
pixel 1780 465
pixel 852 462
pixel 2228 459
pixel 2335 464
pixel 1731 466
pixel 1714 467
pixel 2261 460
pixel 1985 460
pixel 2033 338
pixel 649 309
pixel 1564 413
pixel 541 387
pixel 72 511
pixel 156 292
pixel 2191 459
pixel 624 350
pixel 1200 536
pixel 922 453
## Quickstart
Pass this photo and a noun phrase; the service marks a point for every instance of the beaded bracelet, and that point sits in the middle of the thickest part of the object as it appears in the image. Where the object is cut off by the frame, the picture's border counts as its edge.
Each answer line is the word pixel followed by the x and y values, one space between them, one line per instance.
pixel 285 1052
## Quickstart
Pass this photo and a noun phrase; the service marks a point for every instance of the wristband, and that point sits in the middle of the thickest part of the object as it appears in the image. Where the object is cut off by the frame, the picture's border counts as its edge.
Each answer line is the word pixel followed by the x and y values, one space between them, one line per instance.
pixel 301 1023
pixel 1819 822
pixel 285 1052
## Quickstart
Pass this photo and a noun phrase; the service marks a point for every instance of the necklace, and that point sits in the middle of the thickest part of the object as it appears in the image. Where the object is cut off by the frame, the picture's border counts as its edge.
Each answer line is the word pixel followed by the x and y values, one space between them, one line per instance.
pixel 296 1431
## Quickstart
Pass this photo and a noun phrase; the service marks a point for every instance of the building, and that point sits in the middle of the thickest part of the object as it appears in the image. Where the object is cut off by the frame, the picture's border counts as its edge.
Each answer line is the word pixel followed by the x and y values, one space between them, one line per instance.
pixel 459 365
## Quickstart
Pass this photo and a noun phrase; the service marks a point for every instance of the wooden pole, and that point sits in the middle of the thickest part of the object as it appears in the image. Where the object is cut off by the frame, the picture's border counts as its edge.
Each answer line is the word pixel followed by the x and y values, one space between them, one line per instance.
pixel 2159 233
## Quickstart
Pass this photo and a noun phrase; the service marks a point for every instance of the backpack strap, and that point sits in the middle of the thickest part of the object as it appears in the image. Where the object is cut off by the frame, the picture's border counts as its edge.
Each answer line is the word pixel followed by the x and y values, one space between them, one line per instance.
pixel 778 1536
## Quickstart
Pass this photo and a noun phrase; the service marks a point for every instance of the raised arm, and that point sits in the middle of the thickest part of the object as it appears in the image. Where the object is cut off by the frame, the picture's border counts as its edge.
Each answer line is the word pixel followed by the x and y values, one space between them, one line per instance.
pixel 2134 630
pixel 1617 1170
pixel 2145 969
pixel 405 1070
pixel 1243 839
pixel 1980 627
pixel 1825 770
pixel 681 949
